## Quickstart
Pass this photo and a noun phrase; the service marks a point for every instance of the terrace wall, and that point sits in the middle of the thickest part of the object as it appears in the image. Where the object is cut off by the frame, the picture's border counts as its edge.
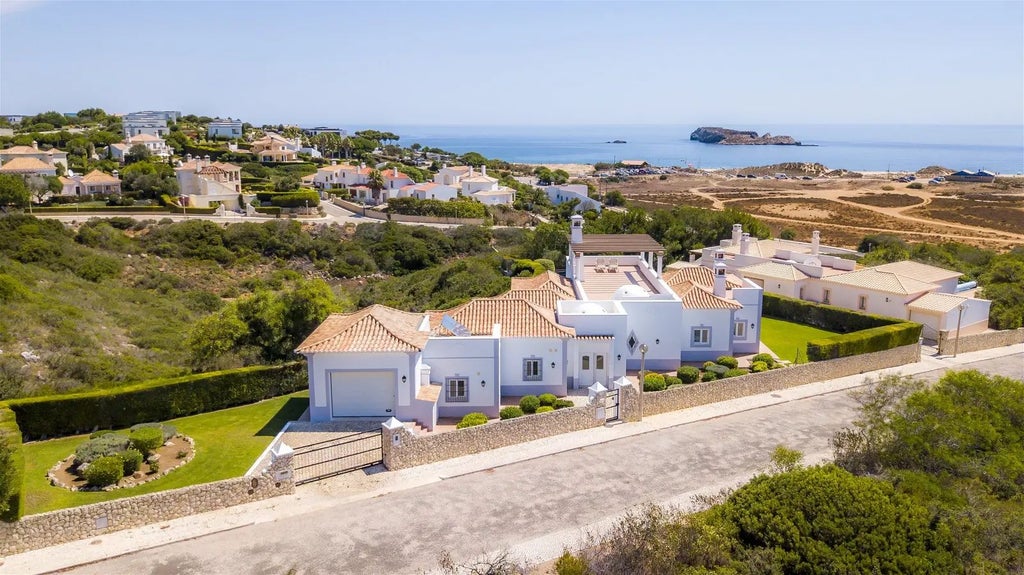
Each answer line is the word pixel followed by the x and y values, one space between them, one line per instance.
pixel 979 341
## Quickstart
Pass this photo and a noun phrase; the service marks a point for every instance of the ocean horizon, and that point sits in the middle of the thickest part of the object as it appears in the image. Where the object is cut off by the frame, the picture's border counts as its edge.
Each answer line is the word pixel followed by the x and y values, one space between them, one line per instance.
pixel 881 147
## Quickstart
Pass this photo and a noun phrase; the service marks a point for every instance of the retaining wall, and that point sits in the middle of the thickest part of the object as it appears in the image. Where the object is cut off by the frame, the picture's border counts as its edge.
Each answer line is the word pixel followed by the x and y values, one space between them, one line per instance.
pixel 978 341
pixel 64 525
pixel 692 395
pixel 378 215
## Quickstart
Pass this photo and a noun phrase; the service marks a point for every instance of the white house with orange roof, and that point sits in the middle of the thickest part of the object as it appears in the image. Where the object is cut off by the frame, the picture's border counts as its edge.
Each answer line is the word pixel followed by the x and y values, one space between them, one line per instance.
pixel 452 175
pixel 547 334
pixel 51 157
pixel 486 189
pixel 201 182
pixel 429 191
pixel 156 145
pixel 274 147
pixel 28 167
pixel 95 182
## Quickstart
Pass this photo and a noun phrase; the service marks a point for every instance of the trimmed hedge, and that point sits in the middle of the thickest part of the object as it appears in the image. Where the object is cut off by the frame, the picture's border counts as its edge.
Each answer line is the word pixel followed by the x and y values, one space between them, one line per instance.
pixel 822 316
pixel 12 466
pixel 155 400
pixel 272 210
pixel 295 199
pixel 105 471
pixel 92 209
pixel 865 341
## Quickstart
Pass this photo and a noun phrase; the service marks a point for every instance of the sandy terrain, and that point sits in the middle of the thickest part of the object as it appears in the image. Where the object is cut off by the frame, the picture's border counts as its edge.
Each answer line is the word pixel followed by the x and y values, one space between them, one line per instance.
pixel 847 209
pixel 574 170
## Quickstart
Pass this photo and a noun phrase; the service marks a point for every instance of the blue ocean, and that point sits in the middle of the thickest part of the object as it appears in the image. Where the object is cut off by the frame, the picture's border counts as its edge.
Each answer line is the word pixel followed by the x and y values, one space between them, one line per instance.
pixel 853 147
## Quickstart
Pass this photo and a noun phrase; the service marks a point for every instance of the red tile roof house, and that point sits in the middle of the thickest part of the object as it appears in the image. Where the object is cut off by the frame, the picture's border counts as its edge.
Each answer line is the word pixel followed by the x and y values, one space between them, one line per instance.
pixel 545 335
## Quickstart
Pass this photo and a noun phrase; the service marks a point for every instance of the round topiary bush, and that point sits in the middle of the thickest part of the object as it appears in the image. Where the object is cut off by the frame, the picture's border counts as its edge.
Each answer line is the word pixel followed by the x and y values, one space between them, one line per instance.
pixel 147 439
pixel 168 430
pixel 105 471
pixel 688 374
pixel 735 372
pixel 471 420
pixel 671 380
pixel 510 412
pixel 728 361
pixel 707 364
pixel 131 460
pixel 758 367
pixel 547 398
pixel 561 403
pixel 545 409
pixel 765 357
pixel 654 382
pixel 709 376
pixel 529 403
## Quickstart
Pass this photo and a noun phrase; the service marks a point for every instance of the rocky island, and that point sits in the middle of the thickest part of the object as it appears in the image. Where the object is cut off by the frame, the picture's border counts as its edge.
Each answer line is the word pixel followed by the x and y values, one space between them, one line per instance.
pixel 739 138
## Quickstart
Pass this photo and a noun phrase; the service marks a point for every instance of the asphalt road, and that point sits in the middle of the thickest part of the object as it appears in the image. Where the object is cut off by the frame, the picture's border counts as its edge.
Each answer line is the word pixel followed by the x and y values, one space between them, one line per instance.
pixel 499 508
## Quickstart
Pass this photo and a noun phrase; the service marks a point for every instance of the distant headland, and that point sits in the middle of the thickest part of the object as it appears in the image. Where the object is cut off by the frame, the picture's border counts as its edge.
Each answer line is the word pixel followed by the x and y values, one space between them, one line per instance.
pixel 740 138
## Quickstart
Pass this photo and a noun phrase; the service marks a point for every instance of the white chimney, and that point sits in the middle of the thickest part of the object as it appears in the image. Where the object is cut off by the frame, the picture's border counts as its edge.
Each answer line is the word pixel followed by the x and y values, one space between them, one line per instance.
pixel 745 244
pixel 362 165
pixel 815 241
pixel 720 271
pixel 719 255
pixel 737 233
pixel 483 170
pixel 35 144
pixel 334 162
pixel 576 229
pixel 444 166
pixel 394 173
pixel 470 172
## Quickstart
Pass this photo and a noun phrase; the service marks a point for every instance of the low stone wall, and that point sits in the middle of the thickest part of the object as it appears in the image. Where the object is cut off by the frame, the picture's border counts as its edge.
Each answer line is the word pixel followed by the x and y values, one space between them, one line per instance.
pixel 64 525
pixel 378 215
pixel 697 394
pixel 979 341
pixel 403 449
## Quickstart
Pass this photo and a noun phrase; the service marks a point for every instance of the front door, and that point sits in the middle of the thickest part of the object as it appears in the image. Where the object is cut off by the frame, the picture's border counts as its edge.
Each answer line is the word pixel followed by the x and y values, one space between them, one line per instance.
pixel 600 373
pixel 586 371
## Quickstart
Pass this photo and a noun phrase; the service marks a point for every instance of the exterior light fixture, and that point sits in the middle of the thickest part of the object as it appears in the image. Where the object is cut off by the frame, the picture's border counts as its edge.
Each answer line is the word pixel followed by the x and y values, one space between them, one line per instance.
pixel 618 357
pixel 404 379
pixel 483 383
pixel 657 342
pixel 552 365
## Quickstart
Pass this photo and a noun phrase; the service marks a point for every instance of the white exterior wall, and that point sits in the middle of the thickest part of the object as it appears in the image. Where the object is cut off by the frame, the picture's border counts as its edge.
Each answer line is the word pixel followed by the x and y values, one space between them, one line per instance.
pixel 788 288
pixel 475 358
pixel 548 350
pixel 615 324
pixel 720 323
pixel 752 300
pixel 471 187
pixel 442 193
pixel 656 323
pixel 320 365
pixel 224 130
pixel 878 303
pixel 156 128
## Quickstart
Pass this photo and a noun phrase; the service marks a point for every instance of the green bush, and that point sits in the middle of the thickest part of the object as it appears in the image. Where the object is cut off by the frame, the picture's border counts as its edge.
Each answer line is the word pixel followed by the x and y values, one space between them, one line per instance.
pixel 821 316
pixel 915 186
pixel 510 412
pixel 155 400
pixel 758 367
pixel 671 380
pixel 765 357
pixel 728 361
pixel 547 398
pixel 707 364
pixel 270 210
pixel 12 466
pixel 292 199
pixel 102 446
pixel 866 341
pixel 529 403
pixel 654 382
pixel 105 471
pixel 131 460
pixel 147 439
pixel 887 188
pixel 688 374
pixel 166 429
pixel 563 403
pixel 569 564
pixel 100 433
pixel 471 420
pixel 735 372
pixel 545 409
pixel 709 376
pixel 154 466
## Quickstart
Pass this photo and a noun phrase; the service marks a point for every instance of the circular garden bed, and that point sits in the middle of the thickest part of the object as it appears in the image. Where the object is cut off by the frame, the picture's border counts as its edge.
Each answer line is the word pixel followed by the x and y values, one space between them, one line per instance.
pixel 110 460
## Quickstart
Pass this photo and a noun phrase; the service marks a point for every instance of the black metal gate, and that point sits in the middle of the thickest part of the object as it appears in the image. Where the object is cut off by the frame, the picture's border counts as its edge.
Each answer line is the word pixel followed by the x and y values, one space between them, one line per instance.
pixel 336 456
pixel 611 405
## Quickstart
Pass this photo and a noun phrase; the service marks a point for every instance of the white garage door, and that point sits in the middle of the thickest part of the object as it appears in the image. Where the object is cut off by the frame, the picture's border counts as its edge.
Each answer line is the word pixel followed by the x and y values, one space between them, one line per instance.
pixel 362 393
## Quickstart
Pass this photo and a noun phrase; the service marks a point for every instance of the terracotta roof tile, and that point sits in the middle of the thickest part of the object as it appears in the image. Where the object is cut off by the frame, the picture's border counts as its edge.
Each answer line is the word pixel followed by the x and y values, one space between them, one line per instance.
pixel 700 275
pixel 517 317
pixel 25 165
pixel 96 176
pixel 888 282
pixel 547 280
pixel 940 302
pixel 774 270
pixel 697 297
pixel 375 328
pixel 918 271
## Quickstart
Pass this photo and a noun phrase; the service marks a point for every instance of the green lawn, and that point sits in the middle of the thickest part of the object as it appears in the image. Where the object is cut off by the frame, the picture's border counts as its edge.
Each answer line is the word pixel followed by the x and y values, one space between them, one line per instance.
pixel 227 444
pixel 785 337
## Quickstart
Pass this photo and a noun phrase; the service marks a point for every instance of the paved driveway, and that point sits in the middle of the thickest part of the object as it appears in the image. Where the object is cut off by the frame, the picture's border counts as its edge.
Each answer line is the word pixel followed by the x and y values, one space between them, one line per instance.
pixel 468 515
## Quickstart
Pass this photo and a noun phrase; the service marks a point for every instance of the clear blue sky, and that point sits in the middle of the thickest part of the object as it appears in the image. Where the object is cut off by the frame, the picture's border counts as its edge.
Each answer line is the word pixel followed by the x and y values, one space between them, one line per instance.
pixel 543 63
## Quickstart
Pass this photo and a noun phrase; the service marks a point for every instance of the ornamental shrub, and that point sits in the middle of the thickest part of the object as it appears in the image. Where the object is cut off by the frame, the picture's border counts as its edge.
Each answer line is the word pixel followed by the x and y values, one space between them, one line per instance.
pixel 547 398
pixel 765 357
pixel 147 439
pixel 105 471
pixel 471 420
pixel 529 403
pixel 707 364
pixel 709 376
pixel 758 367
pixel 728 361
pixel 562 403
pixel 545 409
pixel 735 372
pixel 688 374
pixel 654 382
pixel 131 460
pixel 569 564
pixel 100 433
pixel 671 380
pixel 102 446
pixel 510 412
pixel 167 430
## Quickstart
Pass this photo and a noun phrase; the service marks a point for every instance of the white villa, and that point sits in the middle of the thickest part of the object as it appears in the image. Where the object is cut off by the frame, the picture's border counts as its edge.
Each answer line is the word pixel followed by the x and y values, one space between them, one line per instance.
pixel 201 181
pixel 155 144
pixel 569 192
pixel 358 177
pixel 429 191
pixel 486 189
pixel 276 148
pixel 28 167
pixel 152 123
pixel 906 290
pixel 231 129
pixel 95 182
pixel 50 157
pixel 545 335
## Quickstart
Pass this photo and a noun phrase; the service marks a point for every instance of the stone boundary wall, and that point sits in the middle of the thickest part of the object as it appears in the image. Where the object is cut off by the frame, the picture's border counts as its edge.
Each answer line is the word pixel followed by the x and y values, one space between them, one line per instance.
pixel 402 449
pixel 693 395
pixel 979 341
pixel 64 525
pixel 379 215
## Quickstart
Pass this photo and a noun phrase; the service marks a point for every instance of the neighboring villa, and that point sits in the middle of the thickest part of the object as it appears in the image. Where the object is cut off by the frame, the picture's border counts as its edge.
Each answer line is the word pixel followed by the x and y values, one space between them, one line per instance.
pixel 324 130
pixel 28 167
pixel 151 123
pixel 485 189
pixel 14 119
pixel 95 182
pixel 156 145
pixel 545 335
pixel 230 129
pixel 429 191
pixel 49 158
pixel 201 181
pixel 906 290
pixel 357 178
pixel 276 148
pixel 569 192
